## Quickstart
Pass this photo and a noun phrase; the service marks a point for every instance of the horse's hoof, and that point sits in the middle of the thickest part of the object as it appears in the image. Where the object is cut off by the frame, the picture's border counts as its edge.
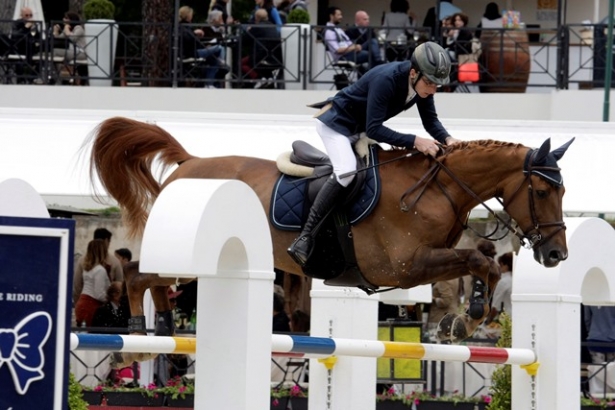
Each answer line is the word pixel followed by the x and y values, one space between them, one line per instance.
pixel 476 311
pixel 445 327
pixel 459 332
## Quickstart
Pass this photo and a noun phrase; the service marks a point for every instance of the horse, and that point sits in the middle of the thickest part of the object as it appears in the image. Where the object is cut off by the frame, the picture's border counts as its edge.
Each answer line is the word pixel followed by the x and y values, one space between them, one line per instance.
pixel 408 239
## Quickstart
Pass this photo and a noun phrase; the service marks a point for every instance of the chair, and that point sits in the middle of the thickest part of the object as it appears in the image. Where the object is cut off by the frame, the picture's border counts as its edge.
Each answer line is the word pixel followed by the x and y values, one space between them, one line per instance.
pixel 289 372
pixel 346 71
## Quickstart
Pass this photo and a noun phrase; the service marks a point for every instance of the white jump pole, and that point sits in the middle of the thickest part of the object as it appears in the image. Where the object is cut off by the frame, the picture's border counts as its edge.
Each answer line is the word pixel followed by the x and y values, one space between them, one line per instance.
pixel 217 230
pixel 546 313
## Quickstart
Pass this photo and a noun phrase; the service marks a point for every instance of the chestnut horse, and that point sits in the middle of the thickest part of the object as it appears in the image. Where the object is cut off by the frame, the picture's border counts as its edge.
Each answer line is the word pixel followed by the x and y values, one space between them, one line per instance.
pixel 407 240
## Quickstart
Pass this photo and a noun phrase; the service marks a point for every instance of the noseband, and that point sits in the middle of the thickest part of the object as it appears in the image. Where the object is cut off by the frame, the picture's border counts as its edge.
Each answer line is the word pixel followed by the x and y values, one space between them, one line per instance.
pixel 530 237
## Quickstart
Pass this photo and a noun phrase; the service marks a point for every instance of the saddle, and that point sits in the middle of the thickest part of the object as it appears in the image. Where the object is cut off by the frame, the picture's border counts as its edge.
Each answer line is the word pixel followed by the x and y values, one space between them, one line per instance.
pixel 304 171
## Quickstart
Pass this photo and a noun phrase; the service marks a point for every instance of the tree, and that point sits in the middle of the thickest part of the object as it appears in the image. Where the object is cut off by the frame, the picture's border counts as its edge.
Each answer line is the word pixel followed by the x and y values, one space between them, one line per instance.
pixel 158 19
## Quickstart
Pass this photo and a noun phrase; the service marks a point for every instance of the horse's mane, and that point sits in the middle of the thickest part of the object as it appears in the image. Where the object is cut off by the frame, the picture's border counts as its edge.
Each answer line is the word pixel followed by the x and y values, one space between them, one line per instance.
pixel 472 145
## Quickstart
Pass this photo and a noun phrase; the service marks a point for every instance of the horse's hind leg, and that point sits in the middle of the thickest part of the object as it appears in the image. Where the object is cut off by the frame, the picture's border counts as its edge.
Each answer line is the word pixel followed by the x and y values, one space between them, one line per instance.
pixel 165 325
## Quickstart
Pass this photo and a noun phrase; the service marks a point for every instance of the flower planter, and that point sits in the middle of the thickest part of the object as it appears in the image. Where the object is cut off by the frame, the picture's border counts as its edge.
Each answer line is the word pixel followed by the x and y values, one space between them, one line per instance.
pixel 93 398
pixel 134 399
pixel 299 403
pixel 185 402
pixel 391 405
pixel 448 405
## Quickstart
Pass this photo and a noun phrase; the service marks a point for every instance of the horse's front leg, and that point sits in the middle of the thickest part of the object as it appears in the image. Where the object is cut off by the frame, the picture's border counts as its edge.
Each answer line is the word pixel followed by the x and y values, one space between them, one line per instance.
pixel 432 265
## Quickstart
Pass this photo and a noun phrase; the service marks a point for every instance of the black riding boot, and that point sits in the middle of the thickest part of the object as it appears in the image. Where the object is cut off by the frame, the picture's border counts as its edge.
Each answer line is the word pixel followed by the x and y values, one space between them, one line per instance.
pixel 301 248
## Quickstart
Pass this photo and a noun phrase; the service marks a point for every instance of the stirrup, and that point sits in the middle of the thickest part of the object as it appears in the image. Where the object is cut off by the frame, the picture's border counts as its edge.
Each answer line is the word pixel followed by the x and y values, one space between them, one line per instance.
pixel 294 253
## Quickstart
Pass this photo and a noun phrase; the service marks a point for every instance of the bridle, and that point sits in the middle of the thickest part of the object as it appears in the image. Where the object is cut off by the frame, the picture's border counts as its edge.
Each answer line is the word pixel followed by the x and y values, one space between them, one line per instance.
pixel 530 237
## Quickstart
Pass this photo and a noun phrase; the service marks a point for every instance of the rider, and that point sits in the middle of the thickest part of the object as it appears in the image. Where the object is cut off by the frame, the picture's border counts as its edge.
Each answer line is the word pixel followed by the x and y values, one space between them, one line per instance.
pixel 380 94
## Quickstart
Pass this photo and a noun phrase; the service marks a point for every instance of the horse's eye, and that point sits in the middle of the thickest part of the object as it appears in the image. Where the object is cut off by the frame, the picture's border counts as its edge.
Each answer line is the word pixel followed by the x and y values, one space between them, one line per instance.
pixel 541 194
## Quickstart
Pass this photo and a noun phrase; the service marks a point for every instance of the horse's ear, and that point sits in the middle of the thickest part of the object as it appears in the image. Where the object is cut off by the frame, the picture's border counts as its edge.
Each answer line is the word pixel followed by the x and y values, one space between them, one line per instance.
pixel 543 151
pixel 559 152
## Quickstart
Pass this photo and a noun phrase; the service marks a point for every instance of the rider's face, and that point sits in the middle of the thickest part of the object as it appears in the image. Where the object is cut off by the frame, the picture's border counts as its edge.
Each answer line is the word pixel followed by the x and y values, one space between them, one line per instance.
pixel 424 88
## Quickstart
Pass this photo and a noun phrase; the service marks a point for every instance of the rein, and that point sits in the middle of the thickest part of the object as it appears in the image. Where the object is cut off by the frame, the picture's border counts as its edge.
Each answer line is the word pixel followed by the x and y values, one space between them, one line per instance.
pixel 528 241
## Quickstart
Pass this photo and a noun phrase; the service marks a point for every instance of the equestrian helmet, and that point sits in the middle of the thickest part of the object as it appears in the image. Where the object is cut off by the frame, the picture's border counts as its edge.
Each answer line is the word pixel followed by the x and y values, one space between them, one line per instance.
pixel 432 61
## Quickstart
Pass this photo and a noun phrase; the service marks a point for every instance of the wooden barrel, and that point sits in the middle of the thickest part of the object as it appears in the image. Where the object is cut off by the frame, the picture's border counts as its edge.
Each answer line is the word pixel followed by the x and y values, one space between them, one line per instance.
pixel 506 59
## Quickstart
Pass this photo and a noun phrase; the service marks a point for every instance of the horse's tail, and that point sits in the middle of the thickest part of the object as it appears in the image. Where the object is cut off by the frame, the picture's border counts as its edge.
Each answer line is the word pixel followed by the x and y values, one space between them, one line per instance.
pixel 122 154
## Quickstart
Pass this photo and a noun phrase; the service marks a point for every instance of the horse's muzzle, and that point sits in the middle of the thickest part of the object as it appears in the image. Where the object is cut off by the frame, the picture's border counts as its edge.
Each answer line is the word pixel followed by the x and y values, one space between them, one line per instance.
pixel 550 256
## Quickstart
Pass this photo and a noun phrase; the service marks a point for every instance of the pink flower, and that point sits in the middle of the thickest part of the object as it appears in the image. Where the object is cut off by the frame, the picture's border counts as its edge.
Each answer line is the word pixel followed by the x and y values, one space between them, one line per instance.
pixel 182 389
pixel 275 402
pixel 98 388
pixel 486 399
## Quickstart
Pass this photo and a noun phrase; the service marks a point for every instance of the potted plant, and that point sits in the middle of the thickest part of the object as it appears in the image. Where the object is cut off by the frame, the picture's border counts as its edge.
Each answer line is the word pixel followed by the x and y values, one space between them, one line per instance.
pixel 293 34
pixel 295 395
pixel 179 392
pixel 424 400
pixel 92 395
pixel 298 16
pixel 127 395
pixel 101 39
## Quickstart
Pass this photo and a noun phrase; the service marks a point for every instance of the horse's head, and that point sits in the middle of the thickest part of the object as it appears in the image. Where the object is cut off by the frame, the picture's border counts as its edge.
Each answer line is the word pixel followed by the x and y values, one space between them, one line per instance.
pixel 536 204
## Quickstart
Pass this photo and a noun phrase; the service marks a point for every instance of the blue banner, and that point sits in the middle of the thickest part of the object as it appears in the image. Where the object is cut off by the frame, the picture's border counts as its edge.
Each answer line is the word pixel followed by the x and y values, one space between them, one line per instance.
pixel 36 271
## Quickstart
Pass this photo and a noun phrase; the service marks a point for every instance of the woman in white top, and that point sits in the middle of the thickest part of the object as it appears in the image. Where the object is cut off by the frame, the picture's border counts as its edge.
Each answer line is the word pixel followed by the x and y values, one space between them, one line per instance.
pixel 491 19
pixel 397 27
pixel 95 282
pixel 74 33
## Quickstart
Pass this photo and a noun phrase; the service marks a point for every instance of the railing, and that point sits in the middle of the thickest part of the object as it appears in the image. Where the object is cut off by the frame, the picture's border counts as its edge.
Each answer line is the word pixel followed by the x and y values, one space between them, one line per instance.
pixel 147 54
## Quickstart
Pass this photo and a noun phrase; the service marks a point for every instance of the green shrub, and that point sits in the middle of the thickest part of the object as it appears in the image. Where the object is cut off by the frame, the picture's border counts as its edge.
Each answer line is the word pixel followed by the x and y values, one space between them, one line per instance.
pixel 99 10
pixel 75 396
pixel 501 378
pixel 298 16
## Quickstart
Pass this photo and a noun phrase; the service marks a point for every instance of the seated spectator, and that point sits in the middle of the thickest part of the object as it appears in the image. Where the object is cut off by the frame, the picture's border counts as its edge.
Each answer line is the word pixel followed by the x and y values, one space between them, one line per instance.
pixel 445 300
pixel 281 322
pixel 25 41
pixel 221 6
pixel 273 16
pixel 74 35
pixel 214 34
pixel 95 283
pixel 340 46
pixel 194 47
pixel 397 26
pixel 265 57
pixel 300 321
pixel 364 35
pixel 112 314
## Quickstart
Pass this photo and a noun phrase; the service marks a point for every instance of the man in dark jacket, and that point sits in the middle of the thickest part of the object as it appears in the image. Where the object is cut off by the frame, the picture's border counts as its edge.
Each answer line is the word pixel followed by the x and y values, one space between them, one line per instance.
pixel 361 33
pixel 382 93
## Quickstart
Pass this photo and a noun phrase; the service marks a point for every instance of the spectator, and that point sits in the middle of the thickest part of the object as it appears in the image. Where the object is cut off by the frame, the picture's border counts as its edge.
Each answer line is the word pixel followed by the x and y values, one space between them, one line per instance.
pixel 396 27
pixel 264 43
pixel 74 35
pixel 25 38
pixel 193 47
pixel 340 46
pixel 491 19
pixel 501 300
pixel 95 282
pixel 433 22
pixel 273 16
pixel 111 264
pixel 123 255
pixel 600 324
pixel 281 323
pixel 113 313
pixel 460 39
pixel 445 300
pixel 300 321
pixel 221 6
pixel 364 35
pixel 214 34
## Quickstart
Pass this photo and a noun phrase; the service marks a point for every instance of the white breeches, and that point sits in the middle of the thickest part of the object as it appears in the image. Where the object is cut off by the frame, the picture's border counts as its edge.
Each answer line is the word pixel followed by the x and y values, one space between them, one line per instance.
pixel 339 149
